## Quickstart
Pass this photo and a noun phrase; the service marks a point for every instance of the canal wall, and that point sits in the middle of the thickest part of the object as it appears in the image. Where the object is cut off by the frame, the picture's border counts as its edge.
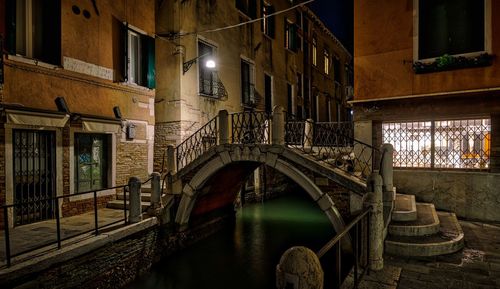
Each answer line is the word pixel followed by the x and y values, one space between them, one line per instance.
pixel 112 263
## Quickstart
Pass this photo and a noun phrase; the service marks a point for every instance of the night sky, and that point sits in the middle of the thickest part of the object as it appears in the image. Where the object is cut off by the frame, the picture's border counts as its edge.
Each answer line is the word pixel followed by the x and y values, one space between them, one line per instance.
pixel 338 16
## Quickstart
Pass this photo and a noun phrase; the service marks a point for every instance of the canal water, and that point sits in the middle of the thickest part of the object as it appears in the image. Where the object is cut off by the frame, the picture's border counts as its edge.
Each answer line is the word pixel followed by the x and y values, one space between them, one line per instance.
pixel 246 254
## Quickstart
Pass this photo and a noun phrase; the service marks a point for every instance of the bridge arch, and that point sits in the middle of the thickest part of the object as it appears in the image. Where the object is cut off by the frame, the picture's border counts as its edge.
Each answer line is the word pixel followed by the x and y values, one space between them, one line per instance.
pixel 257 155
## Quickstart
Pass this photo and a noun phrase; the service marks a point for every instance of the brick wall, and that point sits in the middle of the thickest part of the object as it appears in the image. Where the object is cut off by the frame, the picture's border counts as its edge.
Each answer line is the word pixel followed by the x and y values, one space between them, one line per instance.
pixel 131 160
pixel 2 173
pixel 81 206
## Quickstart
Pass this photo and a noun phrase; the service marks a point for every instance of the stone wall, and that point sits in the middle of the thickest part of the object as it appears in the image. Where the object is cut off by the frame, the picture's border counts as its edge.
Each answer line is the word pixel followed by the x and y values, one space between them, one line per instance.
pixel 471 195
pixel 118 263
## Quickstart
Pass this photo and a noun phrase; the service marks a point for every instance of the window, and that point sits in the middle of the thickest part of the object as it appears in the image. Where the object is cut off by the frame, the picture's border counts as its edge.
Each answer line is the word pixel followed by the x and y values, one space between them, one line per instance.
pixel 336 69
pixel 268 22
pixel 457 144
pixel 290 35
pixel 34 29
pixel 91 170
pixel 208 77
pixel 289 97
pixel 247 84
pixel 248 7
pixel 315 51
pixel 450 27
pixel 140 54
pixel 326 56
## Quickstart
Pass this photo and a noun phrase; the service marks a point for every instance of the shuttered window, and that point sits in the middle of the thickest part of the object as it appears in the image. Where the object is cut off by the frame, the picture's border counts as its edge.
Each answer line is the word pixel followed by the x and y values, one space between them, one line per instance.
pixel 139 58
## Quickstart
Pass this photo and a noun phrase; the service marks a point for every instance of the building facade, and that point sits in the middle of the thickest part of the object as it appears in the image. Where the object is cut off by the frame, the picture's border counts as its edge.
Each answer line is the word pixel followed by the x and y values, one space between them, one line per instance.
pixel 289 59
pixel 76 102
pixel 426 80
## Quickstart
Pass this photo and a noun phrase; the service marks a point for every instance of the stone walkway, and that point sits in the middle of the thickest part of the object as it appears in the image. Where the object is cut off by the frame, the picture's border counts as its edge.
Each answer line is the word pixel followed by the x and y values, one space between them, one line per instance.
pixel 32 236
pixel 477 266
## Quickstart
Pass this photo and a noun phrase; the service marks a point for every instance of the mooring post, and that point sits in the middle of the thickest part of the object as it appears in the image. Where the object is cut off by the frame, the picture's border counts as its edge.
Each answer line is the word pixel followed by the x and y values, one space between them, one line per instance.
pixel 135 209
pixel 155 190
pixel 376 234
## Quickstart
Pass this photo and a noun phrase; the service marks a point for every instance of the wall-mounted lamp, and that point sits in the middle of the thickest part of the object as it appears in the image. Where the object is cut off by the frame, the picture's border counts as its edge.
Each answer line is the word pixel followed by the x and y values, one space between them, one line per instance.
pixel 209 63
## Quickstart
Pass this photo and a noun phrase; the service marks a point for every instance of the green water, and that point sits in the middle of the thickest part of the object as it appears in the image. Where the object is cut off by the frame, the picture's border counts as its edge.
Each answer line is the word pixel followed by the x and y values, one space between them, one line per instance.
pixel 246 254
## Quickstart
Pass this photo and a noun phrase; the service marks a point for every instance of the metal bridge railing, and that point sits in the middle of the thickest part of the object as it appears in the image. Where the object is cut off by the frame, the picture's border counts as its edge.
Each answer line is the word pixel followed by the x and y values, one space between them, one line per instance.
pixel 359 230
pixel 197 144
pixel 250 127
pixel 10 208
pixel 331 143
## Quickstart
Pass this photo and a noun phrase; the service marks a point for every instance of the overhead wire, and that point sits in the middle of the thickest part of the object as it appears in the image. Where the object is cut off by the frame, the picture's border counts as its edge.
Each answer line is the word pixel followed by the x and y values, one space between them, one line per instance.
pixel 172 36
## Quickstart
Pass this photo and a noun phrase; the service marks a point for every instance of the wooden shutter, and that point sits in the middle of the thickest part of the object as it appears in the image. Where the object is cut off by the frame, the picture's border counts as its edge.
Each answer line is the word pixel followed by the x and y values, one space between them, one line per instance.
pixel 124 45
pixel 148 61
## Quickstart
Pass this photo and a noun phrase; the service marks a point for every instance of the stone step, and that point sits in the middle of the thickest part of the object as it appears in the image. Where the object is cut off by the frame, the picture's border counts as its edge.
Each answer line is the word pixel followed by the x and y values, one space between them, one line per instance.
pixel 449 239
pixel 427 223
pixel 405 208
pixel 145 197
pixel 118 204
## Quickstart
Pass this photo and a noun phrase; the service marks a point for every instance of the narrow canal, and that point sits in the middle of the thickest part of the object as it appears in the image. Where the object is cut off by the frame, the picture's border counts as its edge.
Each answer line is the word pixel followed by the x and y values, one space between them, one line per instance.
pixel 246 254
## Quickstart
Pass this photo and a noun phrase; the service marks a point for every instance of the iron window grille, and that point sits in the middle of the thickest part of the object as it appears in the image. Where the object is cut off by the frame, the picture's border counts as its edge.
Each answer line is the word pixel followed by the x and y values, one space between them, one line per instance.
pixel 444 144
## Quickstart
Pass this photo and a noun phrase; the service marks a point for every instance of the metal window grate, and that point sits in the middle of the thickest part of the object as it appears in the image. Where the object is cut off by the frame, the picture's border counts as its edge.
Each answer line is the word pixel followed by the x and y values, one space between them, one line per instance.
pixel 454 144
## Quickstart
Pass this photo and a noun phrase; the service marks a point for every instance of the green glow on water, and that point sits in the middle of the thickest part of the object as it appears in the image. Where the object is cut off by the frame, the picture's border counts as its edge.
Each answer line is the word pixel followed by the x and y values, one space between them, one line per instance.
pixel 245 255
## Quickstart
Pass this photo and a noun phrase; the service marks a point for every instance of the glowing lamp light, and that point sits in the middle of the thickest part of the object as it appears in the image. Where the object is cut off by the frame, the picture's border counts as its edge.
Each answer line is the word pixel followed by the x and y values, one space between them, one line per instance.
pixel 210 63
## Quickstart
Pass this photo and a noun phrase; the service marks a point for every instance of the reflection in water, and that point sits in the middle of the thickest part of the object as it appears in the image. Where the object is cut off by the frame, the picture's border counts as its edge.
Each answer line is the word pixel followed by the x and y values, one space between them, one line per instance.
pixel 246 255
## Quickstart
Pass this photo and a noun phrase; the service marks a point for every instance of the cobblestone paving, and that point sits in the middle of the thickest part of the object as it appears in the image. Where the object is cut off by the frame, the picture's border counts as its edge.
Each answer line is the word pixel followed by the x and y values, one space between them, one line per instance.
pixel 477 266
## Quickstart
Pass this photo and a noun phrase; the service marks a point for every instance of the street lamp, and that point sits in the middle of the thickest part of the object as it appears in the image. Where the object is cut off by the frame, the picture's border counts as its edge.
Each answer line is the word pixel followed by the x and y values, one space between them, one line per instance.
pixel 209 63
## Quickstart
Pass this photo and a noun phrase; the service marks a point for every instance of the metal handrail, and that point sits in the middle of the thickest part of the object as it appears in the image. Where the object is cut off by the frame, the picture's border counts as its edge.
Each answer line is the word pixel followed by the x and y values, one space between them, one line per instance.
pixel 6 207
pixel 358 240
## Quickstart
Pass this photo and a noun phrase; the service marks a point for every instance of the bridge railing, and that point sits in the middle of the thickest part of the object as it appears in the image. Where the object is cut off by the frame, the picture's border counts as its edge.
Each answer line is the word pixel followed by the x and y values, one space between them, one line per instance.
pixel 250 127
pixel 332 143
pixel 197 144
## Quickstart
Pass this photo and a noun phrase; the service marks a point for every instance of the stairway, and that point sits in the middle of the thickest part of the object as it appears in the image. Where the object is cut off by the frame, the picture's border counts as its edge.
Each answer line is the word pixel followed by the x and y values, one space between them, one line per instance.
pixel 417 229
pixel 145 200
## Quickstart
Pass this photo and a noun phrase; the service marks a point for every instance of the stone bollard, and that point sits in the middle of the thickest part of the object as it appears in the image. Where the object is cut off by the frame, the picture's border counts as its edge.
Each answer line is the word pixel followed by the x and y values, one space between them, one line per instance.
pixel 223 126
pixel 308 133
pixel 278 126
pixel 386 171
pixel 376 234
pixel 135 208
pixel 155 190
pixel 299 268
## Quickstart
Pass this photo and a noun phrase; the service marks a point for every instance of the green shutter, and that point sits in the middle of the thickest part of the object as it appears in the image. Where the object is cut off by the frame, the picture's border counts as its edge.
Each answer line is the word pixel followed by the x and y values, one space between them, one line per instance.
pixel 124 57
pixel 10 26
pixel 149 61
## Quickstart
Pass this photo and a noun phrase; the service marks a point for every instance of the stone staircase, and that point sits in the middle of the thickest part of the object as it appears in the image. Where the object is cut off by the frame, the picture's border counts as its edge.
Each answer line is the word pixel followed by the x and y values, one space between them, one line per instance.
pixel 417 229
pixel 119 202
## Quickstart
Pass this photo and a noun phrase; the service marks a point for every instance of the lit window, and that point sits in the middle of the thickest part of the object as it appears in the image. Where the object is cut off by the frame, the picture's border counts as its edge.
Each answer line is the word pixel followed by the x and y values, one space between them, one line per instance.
pixel 315 51
pixel 208 77
pixel 458 144
pixel 326 56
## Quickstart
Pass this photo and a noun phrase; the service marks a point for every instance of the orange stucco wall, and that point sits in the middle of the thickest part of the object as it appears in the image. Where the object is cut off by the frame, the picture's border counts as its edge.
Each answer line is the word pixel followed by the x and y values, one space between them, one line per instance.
pixel 94 41
pixel 383 54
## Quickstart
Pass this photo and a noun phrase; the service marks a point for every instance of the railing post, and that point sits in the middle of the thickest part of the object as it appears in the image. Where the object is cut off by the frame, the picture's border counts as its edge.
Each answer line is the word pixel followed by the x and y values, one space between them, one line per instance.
pixel 386 171
pixel 376 222
pixel 308 133
pixel 171 160
pixel 278 126
pixel 223 125
pixel 135 208
pixel 155 190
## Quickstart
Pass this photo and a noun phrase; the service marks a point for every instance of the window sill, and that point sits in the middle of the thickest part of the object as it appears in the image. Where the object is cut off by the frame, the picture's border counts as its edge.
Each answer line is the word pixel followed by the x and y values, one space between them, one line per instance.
pixel 451 62
pixel 135 85
pixel 32 61
pixel 211 96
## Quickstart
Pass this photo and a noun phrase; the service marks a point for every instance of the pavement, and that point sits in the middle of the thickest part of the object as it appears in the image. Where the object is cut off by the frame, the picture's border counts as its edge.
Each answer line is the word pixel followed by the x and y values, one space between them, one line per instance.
pixel 477 266
pixel 44 234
